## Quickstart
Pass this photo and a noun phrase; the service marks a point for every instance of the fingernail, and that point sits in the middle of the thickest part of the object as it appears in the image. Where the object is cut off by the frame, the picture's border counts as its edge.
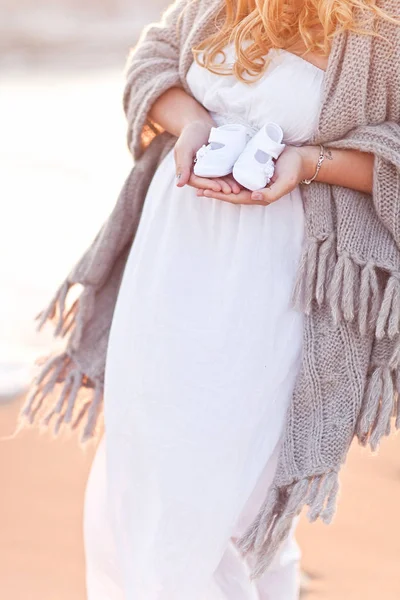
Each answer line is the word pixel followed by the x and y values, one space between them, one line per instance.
pixel 179 175
pixel 257 196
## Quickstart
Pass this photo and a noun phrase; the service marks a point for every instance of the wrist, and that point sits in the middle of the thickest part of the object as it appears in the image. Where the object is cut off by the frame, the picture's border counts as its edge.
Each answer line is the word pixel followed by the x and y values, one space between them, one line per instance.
pixel 200 122
pixel 309 156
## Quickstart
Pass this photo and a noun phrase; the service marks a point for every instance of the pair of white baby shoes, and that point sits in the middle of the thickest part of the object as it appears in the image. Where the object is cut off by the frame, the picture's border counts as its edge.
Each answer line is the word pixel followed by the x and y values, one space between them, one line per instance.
pixel 229 151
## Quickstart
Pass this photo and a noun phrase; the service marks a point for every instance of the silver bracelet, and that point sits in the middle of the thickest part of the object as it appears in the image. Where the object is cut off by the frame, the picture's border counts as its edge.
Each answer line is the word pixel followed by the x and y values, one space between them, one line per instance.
pixel 319 165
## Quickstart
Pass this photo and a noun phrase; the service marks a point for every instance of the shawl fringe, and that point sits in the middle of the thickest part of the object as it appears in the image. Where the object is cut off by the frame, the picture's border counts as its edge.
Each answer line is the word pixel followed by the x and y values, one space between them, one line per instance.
pixel 71 405
pixel 380 405
pixel 271 526
pixel 274 520
pixel 351 290
pixel 80 312
pixel 349 287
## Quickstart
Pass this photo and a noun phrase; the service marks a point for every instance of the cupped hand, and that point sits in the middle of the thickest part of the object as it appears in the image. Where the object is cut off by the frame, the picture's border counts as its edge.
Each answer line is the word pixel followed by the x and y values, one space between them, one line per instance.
pixel 291 168
pixel 194 136
pixel 225 185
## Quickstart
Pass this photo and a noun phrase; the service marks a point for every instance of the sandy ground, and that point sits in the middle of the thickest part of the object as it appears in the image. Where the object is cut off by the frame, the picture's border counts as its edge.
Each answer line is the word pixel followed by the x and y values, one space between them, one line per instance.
pixel 41 554
pixel 62 161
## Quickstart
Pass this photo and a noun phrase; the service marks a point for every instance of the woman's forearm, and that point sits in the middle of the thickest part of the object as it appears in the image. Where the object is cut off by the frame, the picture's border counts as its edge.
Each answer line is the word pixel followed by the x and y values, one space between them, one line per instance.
pixel 175 109
pixel 347 168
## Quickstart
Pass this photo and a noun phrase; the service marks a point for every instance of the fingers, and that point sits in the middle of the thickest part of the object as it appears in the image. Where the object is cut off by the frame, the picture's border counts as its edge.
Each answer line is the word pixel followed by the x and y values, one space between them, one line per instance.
pixel 225 187
pixel 277 188
pixel 273 179
pixel 227 184
pixel 202 183
pixel 243 197
pixel 183 162
pixel 235 187
pixel 182 175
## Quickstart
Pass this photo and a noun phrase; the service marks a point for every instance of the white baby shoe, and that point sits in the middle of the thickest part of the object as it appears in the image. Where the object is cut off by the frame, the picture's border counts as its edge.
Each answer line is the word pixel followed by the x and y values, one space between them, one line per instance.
pixel 255 166
pixel 225 145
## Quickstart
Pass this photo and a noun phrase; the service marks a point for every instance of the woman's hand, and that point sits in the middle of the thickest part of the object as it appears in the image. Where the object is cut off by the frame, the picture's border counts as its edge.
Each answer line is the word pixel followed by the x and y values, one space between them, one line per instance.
pixel 293 165
pixel 194 136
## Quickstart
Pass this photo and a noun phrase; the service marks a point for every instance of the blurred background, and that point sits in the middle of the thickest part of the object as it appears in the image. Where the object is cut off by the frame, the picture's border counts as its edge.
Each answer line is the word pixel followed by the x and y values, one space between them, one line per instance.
pixel 63 160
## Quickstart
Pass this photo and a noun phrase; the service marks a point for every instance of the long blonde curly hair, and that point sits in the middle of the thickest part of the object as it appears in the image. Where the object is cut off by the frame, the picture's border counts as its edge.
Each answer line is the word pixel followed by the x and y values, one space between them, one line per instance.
pixel 256 26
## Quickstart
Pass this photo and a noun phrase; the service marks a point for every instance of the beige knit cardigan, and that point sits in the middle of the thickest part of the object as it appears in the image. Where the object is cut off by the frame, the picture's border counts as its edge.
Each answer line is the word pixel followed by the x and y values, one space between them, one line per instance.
pixel 348 283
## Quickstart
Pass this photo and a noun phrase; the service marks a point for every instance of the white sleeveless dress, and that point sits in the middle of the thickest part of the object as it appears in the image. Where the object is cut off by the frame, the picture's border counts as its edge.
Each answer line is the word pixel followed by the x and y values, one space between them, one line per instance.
pixel 203 354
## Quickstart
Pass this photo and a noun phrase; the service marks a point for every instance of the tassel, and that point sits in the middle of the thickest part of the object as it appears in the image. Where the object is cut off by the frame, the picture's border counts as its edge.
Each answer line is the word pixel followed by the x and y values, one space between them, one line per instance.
pixel 299 291
pixel 93 412
pixel 385 410
pixel 295 500
pixel 84 314
pixel 62 410
pixel 375 297
pixel 58 423
pixel 342 289
pixel 350 274
pixel 63 396
pixel 47 388
pixel 369 299
pixel 76 386
pixel 81 414
pixel 317 506
pixel 259 527
pixel 320 268
pixel 364 300
pixel 313 490
pixel 57 302
pixel 323 504
pixel 61 307
pixel 335 290
pixel 79 314
pixel 268 551
pixel 267 519
pixel 370 405
pixel 326 263
pixel 52 363
pixel 394 362
pixel 278 511
pixel 396 407
pixel 330 508
pixel 317 261
pixel 394 318
pixel 311 273
pixel 349 290
pixel 55 364
pixel 388 304
pixel 70 317
pixel 397 415
pixel 246 543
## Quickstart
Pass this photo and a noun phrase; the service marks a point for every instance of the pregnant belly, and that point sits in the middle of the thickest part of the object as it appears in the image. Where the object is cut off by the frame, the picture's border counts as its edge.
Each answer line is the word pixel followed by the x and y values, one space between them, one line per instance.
pixel 211 280
pixel 203 325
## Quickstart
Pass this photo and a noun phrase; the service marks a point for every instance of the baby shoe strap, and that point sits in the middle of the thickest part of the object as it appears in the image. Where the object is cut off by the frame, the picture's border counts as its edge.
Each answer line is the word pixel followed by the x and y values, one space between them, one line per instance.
pixel 269 145
pixel 225 134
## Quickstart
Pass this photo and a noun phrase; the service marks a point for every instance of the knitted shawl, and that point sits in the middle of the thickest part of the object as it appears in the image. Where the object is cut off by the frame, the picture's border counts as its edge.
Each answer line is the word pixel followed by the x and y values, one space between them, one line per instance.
pixel 348 283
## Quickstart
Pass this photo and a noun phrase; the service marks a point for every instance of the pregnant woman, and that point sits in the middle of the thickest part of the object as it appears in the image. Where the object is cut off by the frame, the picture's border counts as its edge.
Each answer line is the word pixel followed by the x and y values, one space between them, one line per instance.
pixel 227 409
